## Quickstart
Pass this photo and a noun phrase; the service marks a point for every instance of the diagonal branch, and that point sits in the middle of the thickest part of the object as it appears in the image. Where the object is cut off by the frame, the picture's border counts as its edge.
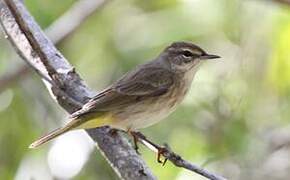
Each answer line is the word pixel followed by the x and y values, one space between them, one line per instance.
pixel 72 18
pixel 57 31
pixel 70 92
pixel 66 86
pixel 176 159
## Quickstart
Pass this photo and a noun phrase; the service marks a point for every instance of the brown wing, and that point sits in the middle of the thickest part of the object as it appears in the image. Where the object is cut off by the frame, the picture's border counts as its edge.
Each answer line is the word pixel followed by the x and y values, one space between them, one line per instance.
pixel 146 81
pixel 143 82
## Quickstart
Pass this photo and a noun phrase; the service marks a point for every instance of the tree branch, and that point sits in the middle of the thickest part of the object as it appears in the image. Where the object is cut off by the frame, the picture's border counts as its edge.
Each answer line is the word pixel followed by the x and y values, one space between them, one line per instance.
pixel 70 92
pixel 57 31
pixel 66 86
pixel 176 159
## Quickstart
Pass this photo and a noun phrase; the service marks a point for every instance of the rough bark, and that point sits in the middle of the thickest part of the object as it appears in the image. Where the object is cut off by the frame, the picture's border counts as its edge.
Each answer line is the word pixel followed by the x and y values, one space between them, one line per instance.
pixel 65 85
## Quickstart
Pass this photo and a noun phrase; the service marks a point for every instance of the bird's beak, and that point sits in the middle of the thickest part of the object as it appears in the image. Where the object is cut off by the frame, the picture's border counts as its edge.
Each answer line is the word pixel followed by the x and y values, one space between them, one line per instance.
pixel 209 56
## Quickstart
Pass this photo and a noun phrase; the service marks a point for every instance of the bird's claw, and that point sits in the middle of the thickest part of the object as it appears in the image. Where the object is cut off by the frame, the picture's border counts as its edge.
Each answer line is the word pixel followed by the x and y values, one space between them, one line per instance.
pixel 161 151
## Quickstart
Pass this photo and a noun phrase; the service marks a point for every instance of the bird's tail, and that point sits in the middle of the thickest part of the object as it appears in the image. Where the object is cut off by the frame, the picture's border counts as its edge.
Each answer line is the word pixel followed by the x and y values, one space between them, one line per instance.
pixel 44 139
pixel 86 121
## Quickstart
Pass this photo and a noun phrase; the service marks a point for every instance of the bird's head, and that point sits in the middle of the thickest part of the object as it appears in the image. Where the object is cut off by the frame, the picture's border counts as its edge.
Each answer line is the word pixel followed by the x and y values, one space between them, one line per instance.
pixel 184 56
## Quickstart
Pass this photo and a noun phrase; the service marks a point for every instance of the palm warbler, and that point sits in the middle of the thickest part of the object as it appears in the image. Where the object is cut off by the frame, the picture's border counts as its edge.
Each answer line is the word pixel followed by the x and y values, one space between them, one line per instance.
pixel 143 96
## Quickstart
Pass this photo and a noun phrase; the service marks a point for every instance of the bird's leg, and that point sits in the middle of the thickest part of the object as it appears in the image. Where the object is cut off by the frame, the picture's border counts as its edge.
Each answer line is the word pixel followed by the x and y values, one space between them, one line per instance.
pixel 160 150
pixel 135 140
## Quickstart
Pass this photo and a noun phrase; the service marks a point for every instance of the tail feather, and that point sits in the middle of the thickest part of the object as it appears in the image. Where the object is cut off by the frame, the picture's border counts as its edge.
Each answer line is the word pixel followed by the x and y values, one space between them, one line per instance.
pixel 86 121
pixel 48 137
pixel 44 139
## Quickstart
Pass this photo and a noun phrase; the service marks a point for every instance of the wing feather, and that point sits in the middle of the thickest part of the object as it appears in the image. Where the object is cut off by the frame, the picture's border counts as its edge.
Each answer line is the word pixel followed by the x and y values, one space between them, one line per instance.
pixel 143 82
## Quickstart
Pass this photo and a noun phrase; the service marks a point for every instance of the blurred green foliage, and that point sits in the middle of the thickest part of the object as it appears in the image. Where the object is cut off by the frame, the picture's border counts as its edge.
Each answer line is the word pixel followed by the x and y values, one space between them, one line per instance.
pixel 229 121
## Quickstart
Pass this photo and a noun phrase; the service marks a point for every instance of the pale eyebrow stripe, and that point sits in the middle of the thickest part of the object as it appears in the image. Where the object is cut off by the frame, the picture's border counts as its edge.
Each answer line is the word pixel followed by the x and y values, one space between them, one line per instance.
pixel 193 51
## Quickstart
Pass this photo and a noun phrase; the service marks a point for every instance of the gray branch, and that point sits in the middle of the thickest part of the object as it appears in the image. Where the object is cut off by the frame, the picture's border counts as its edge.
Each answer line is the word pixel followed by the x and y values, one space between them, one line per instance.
pixel 70 91
pixel 57 31
pixel 176 159
pixel 72 18
pixel 66 86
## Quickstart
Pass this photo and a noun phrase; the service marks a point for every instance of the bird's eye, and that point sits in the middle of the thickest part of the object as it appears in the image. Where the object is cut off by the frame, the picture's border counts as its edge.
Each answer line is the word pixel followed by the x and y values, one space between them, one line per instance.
pixel 187 53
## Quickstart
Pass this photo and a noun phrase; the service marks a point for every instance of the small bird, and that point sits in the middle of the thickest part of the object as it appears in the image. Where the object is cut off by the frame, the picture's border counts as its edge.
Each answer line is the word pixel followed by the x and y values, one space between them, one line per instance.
pixel 143 96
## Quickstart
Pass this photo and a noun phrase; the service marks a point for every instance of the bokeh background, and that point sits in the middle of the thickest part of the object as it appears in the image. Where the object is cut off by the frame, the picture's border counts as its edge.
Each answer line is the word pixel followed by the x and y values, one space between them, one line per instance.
pixel 235 120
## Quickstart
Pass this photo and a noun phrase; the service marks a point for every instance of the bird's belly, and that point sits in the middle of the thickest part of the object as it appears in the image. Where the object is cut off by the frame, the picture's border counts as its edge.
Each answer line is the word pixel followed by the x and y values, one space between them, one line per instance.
pixel 147 119
pixel 138 120
pixel 149 111
pixel 143 114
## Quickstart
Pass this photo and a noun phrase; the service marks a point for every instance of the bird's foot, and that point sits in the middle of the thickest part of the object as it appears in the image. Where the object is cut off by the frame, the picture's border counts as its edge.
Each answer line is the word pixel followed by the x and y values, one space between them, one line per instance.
pixel 136 136
pixel 161 151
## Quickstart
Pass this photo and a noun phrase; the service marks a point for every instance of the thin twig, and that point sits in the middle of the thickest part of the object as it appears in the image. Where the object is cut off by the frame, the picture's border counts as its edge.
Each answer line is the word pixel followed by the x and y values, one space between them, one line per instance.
pixel 34 47
pixel 68 88
pixel 176 159
pixel 59 30
pixel 73 18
